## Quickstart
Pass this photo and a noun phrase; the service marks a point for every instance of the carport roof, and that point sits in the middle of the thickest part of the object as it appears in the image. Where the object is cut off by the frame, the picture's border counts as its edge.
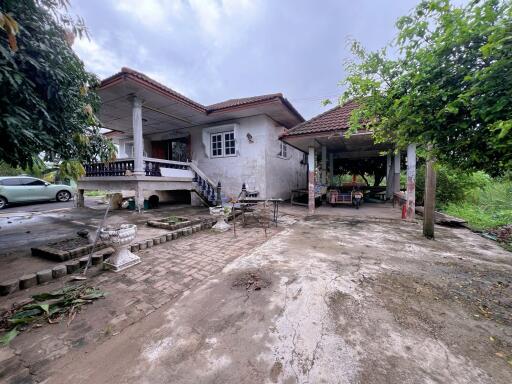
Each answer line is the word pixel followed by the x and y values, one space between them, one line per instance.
pixel 328 129
pixel 335 119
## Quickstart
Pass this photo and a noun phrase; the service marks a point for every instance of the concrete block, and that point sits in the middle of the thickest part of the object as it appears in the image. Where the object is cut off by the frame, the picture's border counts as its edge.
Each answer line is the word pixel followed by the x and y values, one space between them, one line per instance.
pixel 175 235
pixel 143 245
pixel 163 239
pixel 73 266
pixel 134 247
pixel 59 271
pixel 156 241
pixel 149 243
pixel 189 231
pixel 28 281
pixel 44 276
pixel 169 237
pixel 9 286
pixel 83 261
pixel 97 258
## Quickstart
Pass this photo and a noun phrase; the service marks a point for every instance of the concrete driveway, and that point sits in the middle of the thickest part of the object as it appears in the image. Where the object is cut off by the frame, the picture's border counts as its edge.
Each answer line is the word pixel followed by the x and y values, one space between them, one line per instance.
pixel 327 300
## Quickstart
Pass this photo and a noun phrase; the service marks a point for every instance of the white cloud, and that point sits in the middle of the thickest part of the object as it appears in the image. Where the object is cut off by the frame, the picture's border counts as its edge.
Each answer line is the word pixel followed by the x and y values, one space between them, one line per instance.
pixel 152 13
pixel 97 59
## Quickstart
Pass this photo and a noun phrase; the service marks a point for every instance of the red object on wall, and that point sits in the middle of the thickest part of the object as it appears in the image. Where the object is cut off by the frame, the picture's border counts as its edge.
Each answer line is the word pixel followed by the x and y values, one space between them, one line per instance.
pixel 404 211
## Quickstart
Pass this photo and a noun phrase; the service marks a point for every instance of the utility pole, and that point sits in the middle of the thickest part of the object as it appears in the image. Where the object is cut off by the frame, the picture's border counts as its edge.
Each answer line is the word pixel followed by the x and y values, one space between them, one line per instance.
pixel 430 196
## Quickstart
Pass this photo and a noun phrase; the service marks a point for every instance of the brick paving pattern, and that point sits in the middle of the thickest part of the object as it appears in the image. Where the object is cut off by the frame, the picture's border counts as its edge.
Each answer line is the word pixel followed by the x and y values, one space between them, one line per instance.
pixel 166 271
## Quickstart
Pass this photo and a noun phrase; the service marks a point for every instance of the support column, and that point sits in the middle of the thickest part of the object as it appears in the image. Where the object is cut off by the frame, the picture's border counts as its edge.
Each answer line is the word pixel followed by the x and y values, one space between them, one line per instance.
pixel 430 196
pixel 331 168
pixel 389 176
pixel 311 180
pixel 396 174
pixel 138 141
pixel 324 165
pixel 80 202
pixel 411 181
pixel 139 198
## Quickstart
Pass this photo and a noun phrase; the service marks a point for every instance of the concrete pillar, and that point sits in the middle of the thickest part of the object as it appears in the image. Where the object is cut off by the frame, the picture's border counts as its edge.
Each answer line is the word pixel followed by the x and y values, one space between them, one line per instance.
pixel 389 176
pixel 411 181
pixel 331 169
pixel 324 165
pixel 80 201
pixel 396 174
pixel 139 198
pixel 138 141
pixel 311 180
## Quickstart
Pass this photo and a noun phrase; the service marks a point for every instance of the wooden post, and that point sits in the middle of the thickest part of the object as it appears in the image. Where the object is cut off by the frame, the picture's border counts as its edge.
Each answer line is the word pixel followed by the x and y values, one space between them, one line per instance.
pixel 411 181
pixel 430 196
pixel 311 180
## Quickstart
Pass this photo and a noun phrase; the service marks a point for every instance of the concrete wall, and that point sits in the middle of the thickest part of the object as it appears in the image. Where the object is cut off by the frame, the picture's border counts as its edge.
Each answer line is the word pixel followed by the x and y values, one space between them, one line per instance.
pixel 248 165
pixel 256 162
pixel 282 173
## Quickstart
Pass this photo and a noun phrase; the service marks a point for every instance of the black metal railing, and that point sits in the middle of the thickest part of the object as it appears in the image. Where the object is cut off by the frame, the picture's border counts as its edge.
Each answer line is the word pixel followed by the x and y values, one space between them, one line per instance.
pixel 124 167
pixel 114 168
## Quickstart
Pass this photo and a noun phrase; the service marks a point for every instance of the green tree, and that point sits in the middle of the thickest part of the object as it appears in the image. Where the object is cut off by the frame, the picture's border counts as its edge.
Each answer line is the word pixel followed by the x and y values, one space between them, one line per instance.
pixel 46 103
pixel 449 84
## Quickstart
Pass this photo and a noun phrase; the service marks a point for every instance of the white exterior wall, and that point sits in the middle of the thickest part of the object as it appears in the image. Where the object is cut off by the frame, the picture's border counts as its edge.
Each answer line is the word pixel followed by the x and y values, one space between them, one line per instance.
pixel 247 166
pixel 283 174
pixel 256 163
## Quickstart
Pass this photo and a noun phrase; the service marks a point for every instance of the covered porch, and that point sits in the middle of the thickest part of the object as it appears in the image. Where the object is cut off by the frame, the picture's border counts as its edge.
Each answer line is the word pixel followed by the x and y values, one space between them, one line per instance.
pixel 150 125
pixel 332 153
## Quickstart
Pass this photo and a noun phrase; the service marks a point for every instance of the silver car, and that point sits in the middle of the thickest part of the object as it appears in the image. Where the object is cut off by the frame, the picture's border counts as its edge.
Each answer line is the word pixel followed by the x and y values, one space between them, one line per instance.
pixel 22 189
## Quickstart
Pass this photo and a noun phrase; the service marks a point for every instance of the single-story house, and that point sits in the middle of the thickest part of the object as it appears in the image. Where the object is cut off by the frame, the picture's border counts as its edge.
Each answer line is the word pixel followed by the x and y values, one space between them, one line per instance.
pixel 170 145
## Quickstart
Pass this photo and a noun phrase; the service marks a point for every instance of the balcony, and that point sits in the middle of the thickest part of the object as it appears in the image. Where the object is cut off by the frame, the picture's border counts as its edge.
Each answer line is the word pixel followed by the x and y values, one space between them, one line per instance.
pixel 125 167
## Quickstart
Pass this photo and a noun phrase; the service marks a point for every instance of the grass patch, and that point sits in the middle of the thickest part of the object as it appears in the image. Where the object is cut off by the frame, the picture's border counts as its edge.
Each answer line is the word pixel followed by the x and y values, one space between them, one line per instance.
pixel 95 193
pixel 486 207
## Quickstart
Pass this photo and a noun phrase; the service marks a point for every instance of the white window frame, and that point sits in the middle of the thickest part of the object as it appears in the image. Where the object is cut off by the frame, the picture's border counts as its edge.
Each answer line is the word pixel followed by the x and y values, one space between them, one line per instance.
pixel 283 150
pixel 223 135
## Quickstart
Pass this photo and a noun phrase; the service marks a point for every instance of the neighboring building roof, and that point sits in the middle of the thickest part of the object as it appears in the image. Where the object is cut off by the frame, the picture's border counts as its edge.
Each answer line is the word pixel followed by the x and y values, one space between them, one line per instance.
pixel 335 119
pixel 242 101
pixel 221 106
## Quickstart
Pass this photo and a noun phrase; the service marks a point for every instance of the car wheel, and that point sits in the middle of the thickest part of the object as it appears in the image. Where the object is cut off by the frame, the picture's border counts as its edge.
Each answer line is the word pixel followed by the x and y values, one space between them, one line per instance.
pixel 63 196
pixel 3 202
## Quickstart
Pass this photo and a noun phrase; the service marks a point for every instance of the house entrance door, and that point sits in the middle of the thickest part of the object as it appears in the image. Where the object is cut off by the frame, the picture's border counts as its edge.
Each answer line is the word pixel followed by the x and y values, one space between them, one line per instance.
pixel 173 149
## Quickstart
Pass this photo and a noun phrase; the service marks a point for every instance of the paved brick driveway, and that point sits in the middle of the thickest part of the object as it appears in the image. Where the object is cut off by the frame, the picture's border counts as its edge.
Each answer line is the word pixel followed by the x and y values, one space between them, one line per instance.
pixel 166 271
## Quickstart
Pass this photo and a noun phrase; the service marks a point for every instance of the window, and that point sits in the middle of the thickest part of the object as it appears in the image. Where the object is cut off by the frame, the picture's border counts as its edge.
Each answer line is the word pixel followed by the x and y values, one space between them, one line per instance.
pixel 283 150
pixel 11 182
pixel 33 182
pixel 223 144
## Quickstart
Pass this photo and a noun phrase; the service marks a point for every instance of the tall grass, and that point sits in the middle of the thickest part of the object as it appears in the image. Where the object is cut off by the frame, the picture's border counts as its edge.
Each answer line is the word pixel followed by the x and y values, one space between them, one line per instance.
pixel 485 206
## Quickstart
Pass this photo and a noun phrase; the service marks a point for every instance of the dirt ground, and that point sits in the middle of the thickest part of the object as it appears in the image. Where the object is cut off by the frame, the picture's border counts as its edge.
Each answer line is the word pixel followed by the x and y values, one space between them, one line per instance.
pixel 326 300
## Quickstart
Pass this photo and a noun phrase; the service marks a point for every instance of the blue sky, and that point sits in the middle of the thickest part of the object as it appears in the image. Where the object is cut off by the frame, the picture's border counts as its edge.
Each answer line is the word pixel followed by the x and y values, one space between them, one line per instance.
pixel 212 50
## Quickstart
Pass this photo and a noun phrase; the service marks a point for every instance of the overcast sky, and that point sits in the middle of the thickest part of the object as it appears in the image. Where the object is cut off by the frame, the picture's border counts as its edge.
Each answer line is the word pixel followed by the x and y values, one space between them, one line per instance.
pixel 212 50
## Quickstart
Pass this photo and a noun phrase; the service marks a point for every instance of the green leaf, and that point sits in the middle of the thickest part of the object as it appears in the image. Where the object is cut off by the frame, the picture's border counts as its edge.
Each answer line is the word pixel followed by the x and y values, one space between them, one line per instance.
pixel 8 337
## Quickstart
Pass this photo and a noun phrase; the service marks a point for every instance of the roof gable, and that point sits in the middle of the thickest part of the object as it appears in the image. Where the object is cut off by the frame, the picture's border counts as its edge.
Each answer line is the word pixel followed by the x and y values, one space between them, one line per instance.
pixel 335 119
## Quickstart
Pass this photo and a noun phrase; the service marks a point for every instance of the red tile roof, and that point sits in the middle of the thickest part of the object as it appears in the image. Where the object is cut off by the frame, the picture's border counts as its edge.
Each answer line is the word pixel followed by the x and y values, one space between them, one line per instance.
pixel 224 105
pixel 242 101
pixel 335 119
pixel 131 73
